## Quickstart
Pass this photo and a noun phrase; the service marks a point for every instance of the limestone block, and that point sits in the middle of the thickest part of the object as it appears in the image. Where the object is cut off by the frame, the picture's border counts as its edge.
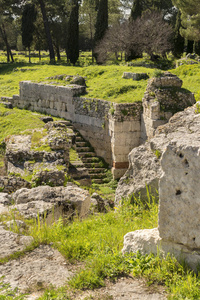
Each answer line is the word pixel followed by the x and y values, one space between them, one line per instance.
pixel 154 110
pixel 118 173
pixel 179 209
pixel 65 115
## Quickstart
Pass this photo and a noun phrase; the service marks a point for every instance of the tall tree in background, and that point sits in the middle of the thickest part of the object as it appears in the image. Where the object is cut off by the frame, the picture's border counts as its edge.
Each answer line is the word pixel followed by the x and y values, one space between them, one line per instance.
pixel 47 30
pixel 28 19
pixel 179 41
pixel 101 23
pixel 73 34
pixel 136 10
pixel 190 18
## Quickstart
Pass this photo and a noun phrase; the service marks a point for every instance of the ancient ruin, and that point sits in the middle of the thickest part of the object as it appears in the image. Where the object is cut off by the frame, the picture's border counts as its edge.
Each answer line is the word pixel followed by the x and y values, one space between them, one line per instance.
pixel 178 223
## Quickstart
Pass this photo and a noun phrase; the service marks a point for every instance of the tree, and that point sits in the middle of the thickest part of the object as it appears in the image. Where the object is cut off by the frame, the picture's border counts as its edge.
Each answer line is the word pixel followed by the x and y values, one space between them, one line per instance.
pixel 47 30
pixel 190 16
pixel 28 19
pixel 179 41
pixel 136 10
pixel 150 34
pixel 73 34
pixel 141 6
pixel 101 23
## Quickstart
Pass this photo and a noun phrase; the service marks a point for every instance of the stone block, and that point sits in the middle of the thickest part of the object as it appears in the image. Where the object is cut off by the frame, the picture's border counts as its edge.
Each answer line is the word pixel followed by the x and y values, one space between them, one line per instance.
pixel 179 208
pixel 118 173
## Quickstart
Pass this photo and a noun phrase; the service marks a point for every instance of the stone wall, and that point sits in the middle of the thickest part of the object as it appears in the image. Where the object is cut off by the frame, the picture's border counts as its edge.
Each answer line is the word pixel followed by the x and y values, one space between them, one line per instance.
pixel 112 129
pixel 163 98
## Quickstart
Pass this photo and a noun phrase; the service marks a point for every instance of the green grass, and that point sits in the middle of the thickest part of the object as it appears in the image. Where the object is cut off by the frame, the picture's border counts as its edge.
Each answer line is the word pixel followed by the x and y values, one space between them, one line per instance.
pixel 190 74
pixel 103 82
pixel 97 242
pixel 15 121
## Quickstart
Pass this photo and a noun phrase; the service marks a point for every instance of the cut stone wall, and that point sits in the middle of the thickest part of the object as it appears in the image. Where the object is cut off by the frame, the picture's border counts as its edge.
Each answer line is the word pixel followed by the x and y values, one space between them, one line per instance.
pixel 112 129
pixel 163 98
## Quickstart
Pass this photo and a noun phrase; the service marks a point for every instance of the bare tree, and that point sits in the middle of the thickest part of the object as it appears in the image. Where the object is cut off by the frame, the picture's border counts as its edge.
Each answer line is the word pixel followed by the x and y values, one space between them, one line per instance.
pixel 150 34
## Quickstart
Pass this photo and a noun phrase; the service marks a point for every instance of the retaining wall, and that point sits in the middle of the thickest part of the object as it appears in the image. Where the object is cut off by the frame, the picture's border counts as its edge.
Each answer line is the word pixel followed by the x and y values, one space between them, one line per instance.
pixel 112 129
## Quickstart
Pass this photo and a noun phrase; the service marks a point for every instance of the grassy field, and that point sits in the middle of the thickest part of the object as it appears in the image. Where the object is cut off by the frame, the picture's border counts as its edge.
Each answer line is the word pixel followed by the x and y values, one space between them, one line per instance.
pixel 103 82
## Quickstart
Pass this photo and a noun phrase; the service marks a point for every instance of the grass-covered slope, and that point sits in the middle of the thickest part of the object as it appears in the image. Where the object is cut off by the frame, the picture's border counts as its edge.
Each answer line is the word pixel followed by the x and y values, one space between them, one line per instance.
pixel 103 82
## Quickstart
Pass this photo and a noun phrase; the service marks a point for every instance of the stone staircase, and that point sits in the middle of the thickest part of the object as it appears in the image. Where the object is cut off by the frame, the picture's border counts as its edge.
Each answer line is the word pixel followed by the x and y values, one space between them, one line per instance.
pixel 87 168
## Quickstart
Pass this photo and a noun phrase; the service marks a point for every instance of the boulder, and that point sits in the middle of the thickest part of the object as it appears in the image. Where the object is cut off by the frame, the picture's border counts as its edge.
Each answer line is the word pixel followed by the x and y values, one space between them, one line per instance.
pixel 79 80
pixel 52 202
pixel 148 241
pixel 9 184
pixel 49 177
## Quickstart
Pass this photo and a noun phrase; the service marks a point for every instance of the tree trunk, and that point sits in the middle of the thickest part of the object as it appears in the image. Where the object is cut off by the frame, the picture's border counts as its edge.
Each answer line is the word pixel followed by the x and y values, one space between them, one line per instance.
pixel 29 54
pixel 47 30
pixel 57 51
pixel 5 39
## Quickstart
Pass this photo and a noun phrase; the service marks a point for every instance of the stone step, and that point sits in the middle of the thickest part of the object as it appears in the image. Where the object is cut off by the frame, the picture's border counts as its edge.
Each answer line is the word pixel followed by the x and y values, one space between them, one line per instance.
pixel 83 149
pixel 90 159
pixel 97 176
pixel 97 181
pixel 81 144
pixel 91 165
pixel 85 155
pixel 96 170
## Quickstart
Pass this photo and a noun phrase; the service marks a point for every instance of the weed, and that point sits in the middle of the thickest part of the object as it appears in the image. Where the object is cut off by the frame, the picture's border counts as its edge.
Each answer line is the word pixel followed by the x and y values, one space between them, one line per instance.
pixel 157 73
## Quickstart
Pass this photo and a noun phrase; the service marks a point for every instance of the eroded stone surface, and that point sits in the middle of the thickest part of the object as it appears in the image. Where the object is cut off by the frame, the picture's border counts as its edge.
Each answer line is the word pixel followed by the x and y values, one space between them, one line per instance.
pixel 39 269
pixel 179 209
pixel 52 201
pixel 12 242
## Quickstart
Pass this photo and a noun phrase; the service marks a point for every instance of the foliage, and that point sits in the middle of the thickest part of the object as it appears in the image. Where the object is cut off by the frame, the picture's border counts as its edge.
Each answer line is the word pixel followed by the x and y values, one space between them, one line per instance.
pixel 179 41
pixel 136 10
pixel 73 34
pixel 28 19
pixel 190 18
pixel 150 34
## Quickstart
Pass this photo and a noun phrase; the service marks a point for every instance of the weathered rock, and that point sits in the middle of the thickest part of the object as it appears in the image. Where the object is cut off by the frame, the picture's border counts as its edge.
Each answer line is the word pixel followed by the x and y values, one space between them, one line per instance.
pixel 25 155
pixel 144 172
pixel 135 76
pixel 179 191
pixel 98 203
pixel 163 98
pixel 79 80
pixel 50 177
pixel 39 269
pixel 10 184
pixel 144 161
pixel 5 199
pixel 149 241
pixel 11 242
pixel 16 223
pixel 46 119
pixel 52 202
